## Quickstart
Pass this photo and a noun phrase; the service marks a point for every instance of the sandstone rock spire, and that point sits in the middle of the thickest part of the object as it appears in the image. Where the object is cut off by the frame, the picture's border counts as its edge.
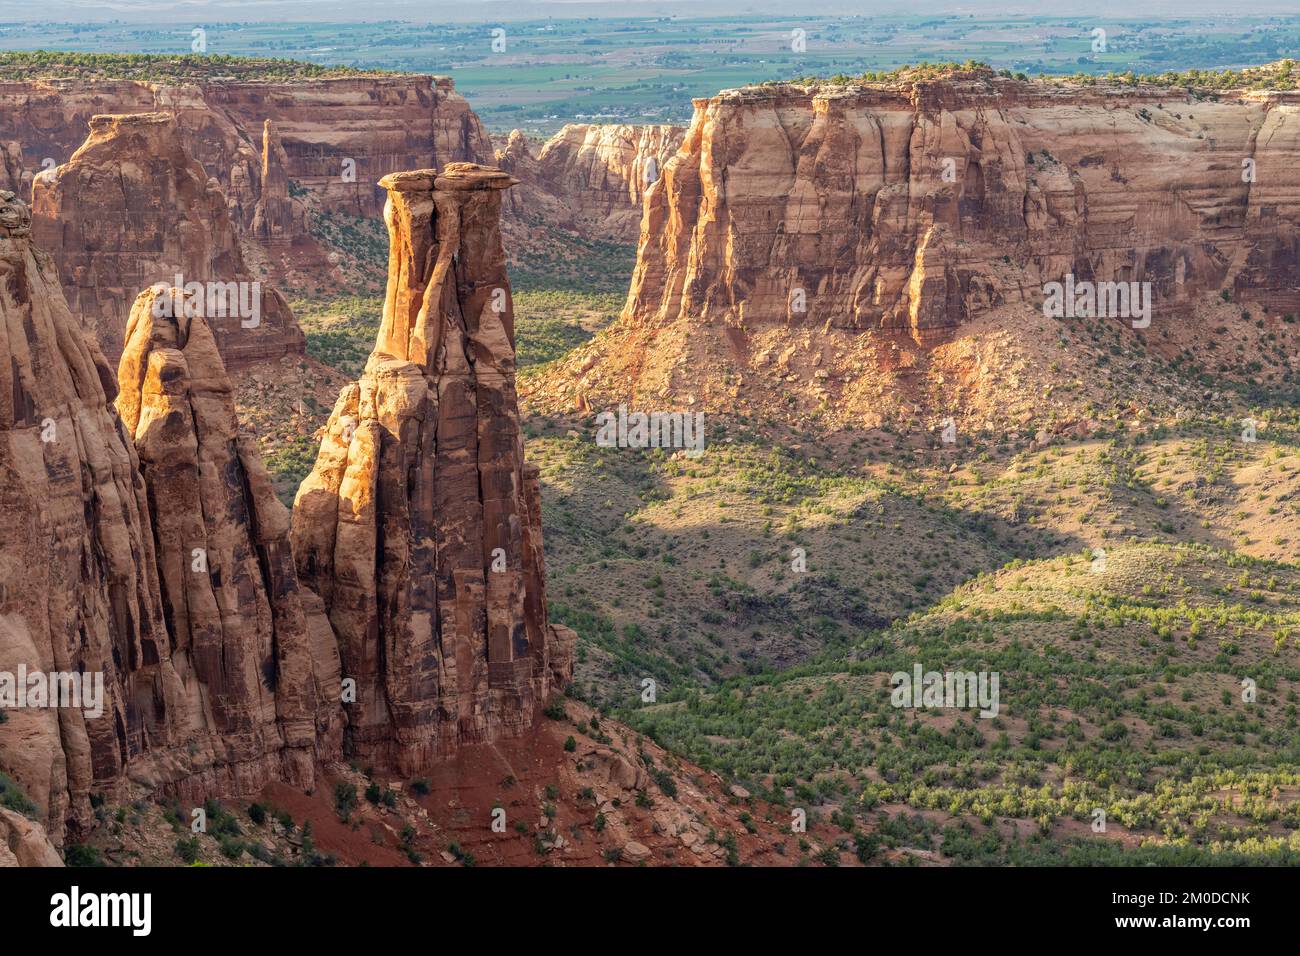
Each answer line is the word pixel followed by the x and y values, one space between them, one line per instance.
pixel 275 221
pixel 420 525
pixel 240 640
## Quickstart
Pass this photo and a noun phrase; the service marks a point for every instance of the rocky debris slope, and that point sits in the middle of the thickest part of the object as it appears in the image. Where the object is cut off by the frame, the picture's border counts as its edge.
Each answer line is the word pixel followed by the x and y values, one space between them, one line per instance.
pixel 133 208
pixel 165 572
pixel 420 525
pixel 588 178
pixel 810 238
pixel 580 790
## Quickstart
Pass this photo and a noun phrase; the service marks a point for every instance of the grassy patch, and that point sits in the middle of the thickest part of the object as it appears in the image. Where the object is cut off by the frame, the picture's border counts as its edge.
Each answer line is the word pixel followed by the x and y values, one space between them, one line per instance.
pixel 341 331
pixel 13 798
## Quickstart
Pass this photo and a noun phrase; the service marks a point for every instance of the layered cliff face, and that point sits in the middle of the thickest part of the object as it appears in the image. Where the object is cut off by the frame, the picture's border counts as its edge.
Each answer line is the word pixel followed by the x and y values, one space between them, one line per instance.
pixel 164 573
pixel 341 135
pixel 420 526
pixel 589 178
pixel 49 120
pixel 76 535
pixel 815 236
pixel 338 135
pixel 133 208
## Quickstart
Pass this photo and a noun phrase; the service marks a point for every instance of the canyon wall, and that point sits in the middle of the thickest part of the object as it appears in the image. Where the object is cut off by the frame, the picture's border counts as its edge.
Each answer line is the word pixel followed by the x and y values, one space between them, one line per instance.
pixel 50 119
pixel 142 540
pixel 420 525
pixel 901 212
pixel 588 178
pixel 338 135
pixel 131 208
pixel 341 135
pixel 146 547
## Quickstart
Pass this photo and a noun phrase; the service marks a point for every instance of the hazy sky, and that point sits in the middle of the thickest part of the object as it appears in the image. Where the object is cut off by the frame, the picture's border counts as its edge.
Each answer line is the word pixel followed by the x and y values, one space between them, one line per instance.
pixel 476 10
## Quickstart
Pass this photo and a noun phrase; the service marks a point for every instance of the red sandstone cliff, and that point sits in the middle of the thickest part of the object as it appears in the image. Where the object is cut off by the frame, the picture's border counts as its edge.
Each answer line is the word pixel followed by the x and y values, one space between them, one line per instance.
pixel 420 526
pixel 341 135
pixel 152 550
pixel 132 208
pixel 257 676
pixel 807 240
pixel 380 124
pixel 588 178
pixel 146 548
pixel 49 119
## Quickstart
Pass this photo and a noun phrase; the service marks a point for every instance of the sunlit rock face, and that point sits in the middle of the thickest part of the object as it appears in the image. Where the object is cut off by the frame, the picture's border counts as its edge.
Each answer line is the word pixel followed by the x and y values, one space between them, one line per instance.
pixel 420 525
pixel 588 178
pixel 831 233
pixel 133 208
pixel 142 547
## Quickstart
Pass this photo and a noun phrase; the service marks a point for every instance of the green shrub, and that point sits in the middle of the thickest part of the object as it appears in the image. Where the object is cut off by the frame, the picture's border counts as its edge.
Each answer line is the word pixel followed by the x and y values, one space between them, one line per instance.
pixel 82 854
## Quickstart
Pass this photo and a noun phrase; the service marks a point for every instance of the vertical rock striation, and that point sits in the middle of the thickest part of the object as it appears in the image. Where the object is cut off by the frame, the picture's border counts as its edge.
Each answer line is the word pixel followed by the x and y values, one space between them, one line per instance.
pixel 13 177
pixel 133 208
pixel 276 220
pixel 918 205
pixel 804 235
pixel 148 548
pixel 589 178
pixel 78 582
pixel 419 526
pixel 240 642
